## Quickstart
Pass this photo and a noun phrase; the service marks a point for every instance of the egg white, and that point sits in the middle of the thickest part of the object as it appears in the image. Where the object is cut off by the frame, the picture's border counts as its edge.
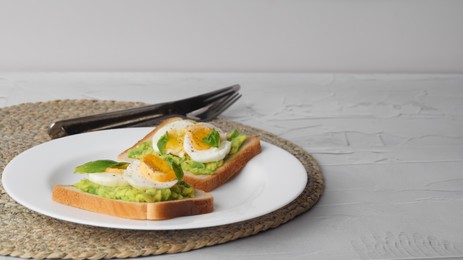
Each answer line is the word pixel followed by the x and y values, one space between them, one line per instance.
pixel 107 179
pixel 212 154
pixel 176 125
pixel 135 179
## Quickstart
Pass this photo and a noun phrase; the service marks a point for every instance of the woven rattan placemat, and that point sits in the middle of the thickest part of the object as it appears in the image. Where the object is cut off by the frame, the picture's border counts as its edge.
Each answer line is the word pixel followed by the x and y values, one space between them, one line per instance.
pixel 27 234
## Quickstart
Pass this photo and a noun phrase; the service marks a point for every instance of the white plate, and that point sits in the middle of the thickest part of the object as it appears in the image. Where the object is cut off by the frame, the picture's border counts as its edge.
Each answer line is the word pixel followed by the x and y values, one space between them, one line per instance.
pixel 269 181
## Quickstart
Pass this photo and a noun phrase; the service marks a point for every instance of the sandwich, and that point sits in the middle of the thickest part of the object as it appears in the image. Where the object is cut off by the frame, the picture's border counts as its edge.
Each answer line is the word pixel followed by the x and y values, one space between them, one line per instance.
pixel 166 174
pixel 208 156
pixel 151 189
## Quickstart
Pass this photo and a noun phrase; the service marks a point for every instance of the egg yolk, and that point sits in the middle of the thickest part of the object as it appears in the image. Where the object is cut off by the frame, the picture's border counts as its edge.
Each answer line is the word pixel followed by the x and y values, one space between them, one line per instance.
pixel 196 134
pixel 175 140
pixel 155 168
pixel 115 170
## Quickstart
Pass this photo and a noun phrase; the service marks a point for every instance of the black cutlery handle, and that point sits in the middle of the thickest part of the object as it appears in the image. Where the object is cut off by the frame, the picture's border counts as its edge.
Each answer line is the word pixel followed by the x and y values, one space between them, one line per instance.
pixel 116 119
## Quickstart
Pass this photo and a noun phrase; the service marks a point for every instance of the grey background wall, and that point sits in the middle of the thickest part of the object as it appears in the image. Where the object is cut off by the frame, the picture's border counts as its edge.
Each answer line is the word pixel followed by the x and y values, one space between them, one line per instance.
pixel 232 35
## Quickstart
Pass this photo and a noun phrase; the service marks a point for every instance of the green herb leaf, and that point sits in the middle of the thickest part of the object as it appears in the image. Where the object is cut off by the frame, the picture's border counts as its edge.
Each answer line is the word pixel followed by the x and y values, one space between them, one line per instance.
pixel 232 135
pixel 212 139
pixel 162 142
pixel 178 171
pixel 171 158
pixel 99 166
pixel 175 166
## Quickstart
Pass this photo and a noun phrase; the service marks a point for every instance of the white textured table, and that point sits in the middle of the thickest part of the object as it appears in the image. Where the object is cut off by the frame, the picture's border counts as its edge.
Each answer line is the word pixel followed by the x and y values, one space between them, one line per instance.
pixel 390 148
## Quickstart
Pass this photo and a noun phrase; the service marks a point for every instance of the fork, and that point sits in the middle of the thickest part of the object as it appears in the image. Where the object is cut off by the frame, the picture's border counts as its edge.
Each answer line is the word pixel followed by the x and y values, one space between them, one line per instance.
pixel 203 114
pixel 203 107
pixel 214 109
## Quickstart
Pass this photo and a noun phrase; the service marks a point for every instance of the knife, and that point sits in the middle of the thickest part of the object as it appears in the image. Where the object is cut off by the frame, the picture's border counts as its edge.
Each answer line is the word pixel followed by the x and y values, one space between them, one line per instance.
pixel 138 115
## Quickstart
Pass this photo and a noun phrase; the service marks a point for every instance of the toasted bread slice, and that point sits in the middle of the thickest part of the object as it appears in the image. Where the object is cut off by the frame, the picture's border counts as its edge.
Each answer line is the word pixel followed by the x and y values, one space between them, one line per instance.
pixel 232 164
pixel 202 203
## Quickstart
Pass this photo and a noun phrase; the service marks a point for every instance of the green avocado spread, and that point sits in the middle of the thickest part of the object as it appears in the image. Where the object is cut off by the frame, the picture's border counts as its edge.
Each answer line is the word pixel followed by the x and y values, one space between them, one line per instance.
pixel 201 168
pixel 128 193
pixel 140 150
pixel 236 143
pixel 186 163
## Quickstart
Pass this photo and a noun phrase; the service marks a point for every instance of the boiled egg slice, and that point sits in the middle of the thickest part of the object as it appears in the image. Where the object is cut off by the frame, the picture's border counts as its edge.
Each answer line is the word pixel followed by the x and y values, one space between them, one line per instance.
pixel 150 172
pixel 111 177
pixel 201 151
pixel 176 131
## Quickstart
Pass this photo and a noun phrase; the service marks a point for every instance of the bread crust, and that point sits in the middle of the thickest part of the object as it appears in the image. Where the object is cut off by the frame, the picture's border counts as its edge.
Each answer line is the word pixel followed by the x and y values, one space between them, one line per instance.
pixel 232 165
pixel 202 203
